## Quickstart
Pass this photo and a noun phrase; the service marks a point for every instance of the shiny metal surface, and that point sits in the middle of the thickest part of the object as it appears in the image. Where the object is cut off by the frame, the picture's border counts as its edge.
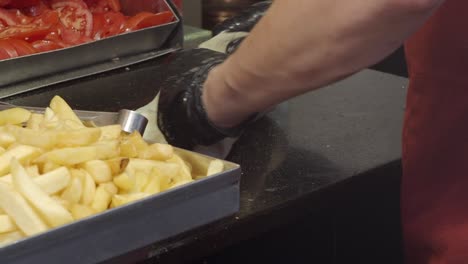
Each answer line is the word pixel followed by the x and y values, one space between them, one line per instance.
pixel 132 121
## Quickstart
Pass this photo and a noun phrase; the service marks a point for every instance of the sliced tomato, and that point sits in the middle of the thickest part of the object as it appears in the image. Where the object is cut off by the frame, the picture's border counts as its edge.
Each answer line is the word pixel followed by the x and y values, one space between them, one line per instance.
pixel 54 36
pixel 8 18
pixel 47 18
pixel 45 45
pixel 25 32
pixel 102 6
pixel 75 15
pixel 36 10
pixel 114 5
pixel 147 19
pixel 107 24
pixel 7 48
pixel 22 47
pixel 23 3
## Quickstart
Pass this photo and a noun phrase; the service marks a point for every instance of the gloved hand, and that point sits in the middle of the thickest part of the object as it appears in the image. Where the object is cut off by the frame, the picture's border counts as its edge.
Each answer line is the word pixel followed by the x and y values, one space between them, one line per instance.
pixel 178 109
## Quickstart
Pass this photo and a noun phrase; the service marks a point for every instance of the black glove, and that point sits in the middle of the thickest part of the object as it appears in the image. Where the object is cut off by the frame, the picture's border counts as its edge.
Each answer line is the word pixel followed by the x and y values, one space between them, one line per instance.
pixel 181 115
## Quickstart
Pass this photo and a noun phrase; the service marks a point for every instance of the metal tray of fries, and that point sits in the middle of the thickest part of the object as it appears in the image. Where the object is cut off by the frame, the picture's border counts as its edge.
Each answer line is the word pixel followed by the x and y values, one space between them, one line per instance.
pixel 40 70
pixel 119 230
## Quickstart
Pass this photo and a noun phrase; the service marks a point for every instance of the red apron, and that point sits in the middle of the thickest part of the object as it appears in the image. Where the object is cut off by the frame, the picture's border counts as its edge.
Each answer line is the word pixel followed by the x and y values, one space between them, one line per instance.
pixel 435 140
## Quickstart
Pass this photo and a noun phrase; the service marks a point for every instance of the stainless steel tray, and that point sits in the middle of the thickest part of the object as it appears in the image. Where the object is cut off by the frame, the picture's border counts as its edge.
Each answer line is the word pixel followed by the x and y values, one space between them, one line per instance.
pixel 43 69
pixel 133 226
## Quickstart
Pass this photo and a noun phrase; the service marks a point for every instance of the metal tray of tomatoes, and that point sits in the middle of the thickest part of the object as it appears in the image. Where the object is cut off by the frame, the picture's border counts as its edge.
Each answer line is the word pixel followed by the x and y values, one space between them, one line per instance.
pixel 31 72
pixel 115 232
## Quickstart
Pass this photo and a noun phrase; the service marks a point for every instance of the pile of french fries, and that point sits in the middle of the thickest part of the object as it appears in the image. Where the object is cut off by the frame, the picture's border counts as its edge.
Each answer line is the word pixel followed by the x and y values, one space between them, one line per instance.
pixel 54 169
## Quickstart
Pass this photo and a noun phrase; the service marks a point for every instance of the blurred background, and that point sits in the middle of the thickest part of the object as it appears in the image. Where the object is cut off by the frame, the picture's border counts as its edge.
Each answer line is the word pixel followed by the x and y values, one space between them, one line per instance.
pixel 207 13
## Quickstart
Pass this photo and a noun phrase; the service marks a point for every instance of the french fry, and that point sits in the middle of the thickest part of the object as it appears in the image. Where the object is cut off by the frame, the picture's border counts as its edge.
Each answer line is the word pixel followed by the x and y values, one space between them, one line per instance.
pixel 20 211
pixel 50 120
pixel 20 152
pixel 70 125
pixel 49 166
pixel 117 165
pixel 51 182
pixel 11 237
pixel 124 182
pixel 110 187
pixel 49 115
pixel 102 199
pixel 170 170
pixel 6 224
pixel 26 136
pixel 74 191
pixel 54 181
pixel 99 170
pixel 35 121
pixel 122 199
pixel 6 139
pixel 89 186
pixel 52 211
pixel 132 145
pixel 63 110
pixel 14 116
pixel 215 166
pixel 185 172
pixel 141 180
pixel 155 182
pixel 33 171
pixel 107 149
pixel 110 132
pixel 68 156
pixel 80 211
pixel 66 204
pixel 157 151
pixel 78 137
pixel 2 150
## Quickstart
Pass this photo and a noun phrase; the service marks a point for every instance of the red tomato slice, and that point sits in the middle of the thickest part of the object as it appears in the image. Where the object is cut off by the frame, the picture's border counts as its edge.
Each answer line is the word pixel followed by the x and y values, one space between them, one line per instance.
pixel 8 48
pixel 25 32
pixel 47 18
pixel 36 10
pixel 46 45
pixel 75 15
pixel 3 54
pixel 107 24
pixel 114 5
pixel 146 19
pixel 23 3
pixel 12 17
pixel 102 6
pixel 22 47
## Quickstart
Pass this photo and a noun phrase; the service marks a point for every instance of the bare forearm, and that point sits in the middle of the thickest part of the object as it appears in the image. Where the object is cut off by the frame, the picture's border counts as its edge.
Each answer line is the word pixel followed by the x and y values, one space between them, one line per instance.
pixel 302 45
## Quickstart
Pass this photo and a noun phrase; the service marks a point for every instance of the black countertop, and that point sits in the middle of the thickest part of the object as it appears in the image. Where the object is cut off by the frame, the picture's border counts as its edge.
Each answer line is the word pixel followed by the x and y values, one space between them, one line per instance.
pixel 304 158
